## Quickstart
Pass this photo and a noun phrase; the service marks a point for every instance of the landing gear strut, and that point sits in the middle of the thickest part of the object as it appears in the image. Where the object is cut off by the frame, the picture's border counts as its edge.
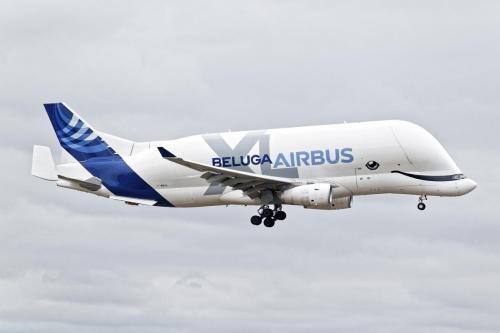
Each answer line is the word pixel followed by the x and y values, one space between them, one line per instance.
pixel 268 216
pixel 421 205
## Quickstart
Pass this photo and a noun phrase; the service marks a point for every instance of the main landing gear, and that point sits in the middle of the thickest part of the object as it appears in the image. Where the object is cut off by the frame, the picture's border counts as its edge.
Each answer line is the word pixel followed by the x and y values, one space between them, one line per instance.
pixel 421 205
pixel 268 216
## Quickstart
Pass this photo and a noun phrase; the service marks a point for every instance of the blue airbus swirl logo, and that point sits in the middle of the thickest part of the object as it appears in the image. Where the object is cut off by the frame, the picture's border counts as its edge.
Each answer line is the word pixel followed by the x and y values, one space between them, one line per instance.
pixel 288 160
pixel 75 134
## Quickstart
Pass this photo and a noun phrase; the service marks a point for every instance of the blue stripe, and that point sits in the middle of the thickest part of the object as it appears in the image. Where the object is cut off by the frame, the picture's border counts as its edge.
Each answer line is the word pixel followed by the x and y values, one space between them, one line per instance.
pixel 83 143
pixel 65 114
pixel 67 131
pixel 121 180
pixel 80 147
pixel 76 141
pixel 99 159
pixel 88 150
pixel 85 135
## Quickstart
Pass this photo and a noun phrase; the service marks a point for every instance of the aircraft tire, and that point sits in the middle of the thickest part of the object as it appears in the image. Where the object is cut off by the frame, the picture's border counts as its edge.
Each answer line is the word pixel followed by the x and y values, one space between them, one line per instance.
pixel 421 206
pixel 267 212
pixel 280 215
pixel 256 220
pixel 269 222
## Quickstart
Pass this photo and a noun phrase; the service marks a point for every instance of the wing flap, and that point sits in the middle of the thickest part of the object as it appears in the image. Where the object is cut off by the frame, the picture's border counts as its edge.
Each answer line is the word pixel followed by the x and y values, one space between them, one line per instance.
pixel 218 171
pixel 238 180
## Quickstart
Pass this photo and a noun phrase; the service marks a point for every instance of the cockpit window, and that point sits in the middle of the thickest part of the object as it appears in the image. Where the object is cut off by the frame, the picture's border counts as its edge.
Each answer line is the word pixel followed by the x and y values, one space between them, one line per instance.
pixel 458 176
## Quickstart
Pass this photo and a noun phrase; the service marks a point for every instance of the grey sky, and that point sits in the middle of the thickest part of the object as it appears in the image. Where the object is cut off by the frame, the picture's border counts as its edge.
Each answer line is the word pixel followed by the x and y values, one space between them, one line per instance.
pixel 165 69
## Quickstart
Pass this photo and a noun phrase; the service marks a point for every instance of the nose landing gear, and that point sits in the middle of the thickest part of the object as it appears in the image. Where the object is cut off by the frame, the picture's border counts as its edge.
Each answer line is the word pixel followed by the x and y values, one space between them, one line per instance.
pixel 421 204
pixel 268 216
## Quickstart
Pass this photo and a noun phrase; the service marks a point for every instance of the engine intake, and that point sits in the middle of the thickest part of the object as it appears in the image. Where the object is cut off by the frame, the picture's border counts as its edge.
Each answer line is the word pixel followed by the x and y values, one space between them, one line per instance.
pixel 315 196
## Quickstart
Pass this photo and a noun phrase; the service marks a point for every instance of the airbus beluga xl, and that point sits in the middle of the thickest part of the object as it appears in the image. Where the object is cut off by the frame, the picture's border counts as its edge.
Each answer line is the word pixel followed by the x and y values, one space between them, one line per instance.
pixel 317 167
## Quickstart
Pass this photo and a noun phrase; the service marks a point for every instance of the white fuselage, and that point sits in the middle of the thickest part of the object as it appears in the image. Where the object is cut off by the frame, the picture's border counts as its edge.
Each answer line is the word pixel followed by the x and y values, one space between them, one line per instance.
pixel 336 154
pixel 318 167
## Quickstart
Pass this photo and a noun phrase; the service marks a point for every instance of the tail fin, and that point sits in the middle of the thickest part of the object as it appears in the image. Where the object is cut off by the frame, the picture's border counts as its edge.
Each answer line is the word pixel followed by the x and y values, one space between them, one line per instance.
pixel 75 135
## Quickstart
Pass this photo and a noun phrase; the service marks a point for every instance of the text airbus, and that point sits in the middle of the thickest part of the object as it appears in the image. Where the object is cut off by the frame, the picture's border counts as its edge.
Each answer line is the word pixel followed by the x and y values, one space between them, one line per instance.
pixel 288 160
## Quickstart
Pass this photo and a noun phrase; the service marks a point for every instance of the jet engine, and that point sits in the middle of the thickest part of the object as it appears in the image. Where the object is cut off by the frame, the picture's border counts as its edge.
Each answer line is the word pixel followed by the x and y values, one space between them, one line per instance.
pixel 315 196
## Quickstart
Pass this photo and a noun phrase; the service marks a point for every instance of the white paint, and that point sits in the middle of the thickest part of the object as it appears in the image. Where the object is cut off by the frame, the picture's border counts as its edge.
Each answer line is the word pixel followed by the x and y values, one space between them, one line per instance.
pixel 394 145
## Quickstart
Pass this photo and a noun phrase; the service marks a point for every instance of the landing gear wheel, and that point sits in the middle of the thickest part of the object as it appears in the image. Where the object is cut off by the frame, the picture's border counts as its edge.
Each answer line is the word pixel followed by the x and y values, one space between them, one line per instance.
pixel 267 212
pixel 280 215
pixel 256 220
pixel 421 206
pixel 269 222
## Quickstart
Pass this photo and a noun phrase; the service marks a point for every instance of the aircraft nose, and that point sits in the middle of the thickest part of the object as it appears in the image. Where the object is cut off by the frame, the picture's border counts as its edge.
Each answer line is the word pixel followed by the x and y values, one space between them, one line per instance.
pixel 468 186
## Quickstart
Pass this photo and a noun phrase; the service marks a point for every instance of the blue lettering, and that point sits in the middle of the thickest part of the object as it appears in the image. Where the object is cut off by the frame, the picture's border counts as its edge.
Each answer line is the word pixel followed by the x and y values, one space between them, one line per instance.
pixel 255 159
pixel 347 155
pixel 243 162
pixel 216 161
pixel 317 157
pixel 280 159
pixel 266 159
pixel 299 158
pixel 328 158
pixel 234 161
pixel 302 156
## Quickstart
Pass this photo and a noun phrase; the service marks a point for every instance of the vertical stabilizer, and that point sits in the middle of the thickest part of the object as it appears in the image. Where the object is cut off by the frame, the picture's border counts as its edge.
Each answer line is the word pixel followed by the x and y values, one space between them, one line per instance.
pixel 76 136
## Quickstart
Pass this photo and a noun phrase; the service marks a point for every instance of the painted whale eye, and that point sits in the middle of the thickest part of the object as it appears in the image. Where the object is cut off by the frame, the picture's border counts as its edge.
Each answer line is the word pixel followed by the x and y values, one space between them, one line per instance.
pixel 372 165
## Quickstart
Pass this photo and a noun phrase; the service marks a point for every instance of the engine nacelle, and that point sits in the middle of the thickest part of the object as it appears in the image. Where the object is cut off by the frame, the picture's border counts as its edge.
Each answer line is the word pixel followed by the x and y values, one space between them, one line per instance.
pixel 315 196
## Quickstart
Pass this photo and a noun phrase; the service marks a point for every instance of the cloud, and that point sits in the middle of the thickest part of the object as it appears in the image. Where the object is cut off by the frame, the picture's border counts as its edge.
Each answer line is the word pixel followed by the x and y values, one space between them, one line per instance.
pixel 71 261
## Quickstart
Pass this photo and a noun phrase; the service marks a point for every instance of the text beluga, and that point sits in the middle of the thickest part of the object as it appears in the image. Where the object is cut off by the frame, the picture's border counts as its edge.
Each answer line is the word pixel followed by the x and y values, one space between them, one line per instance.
pixel 288 160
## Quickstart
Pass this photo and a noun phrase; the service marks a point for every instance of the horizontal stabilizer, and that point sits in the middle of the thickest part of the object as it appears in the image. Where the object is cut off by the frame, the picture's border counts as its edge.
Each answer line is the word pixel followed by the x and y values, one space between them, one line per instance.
pixel 42 165
pixel 91 184
pixel 134 201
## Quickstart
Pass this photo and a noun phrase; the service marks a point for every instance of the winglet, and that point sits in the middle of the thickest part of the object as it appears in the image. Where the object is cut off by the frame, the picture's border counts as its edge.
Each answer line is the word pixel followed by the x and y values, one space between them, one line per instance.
pixel 165 153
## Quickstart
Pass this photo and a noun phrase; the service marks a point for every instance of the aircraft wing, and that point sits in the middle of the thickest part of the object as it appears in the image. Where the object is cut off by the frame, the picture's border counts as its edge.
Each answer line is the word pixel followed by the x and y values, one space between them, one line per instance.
pixel 250 183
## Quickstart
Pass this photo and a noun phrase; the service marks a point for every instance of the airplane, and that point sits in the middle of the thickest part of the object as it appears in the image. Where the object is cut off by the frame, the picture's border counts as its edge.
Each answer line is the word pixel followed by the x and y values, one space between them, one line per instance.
pixel 317 167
